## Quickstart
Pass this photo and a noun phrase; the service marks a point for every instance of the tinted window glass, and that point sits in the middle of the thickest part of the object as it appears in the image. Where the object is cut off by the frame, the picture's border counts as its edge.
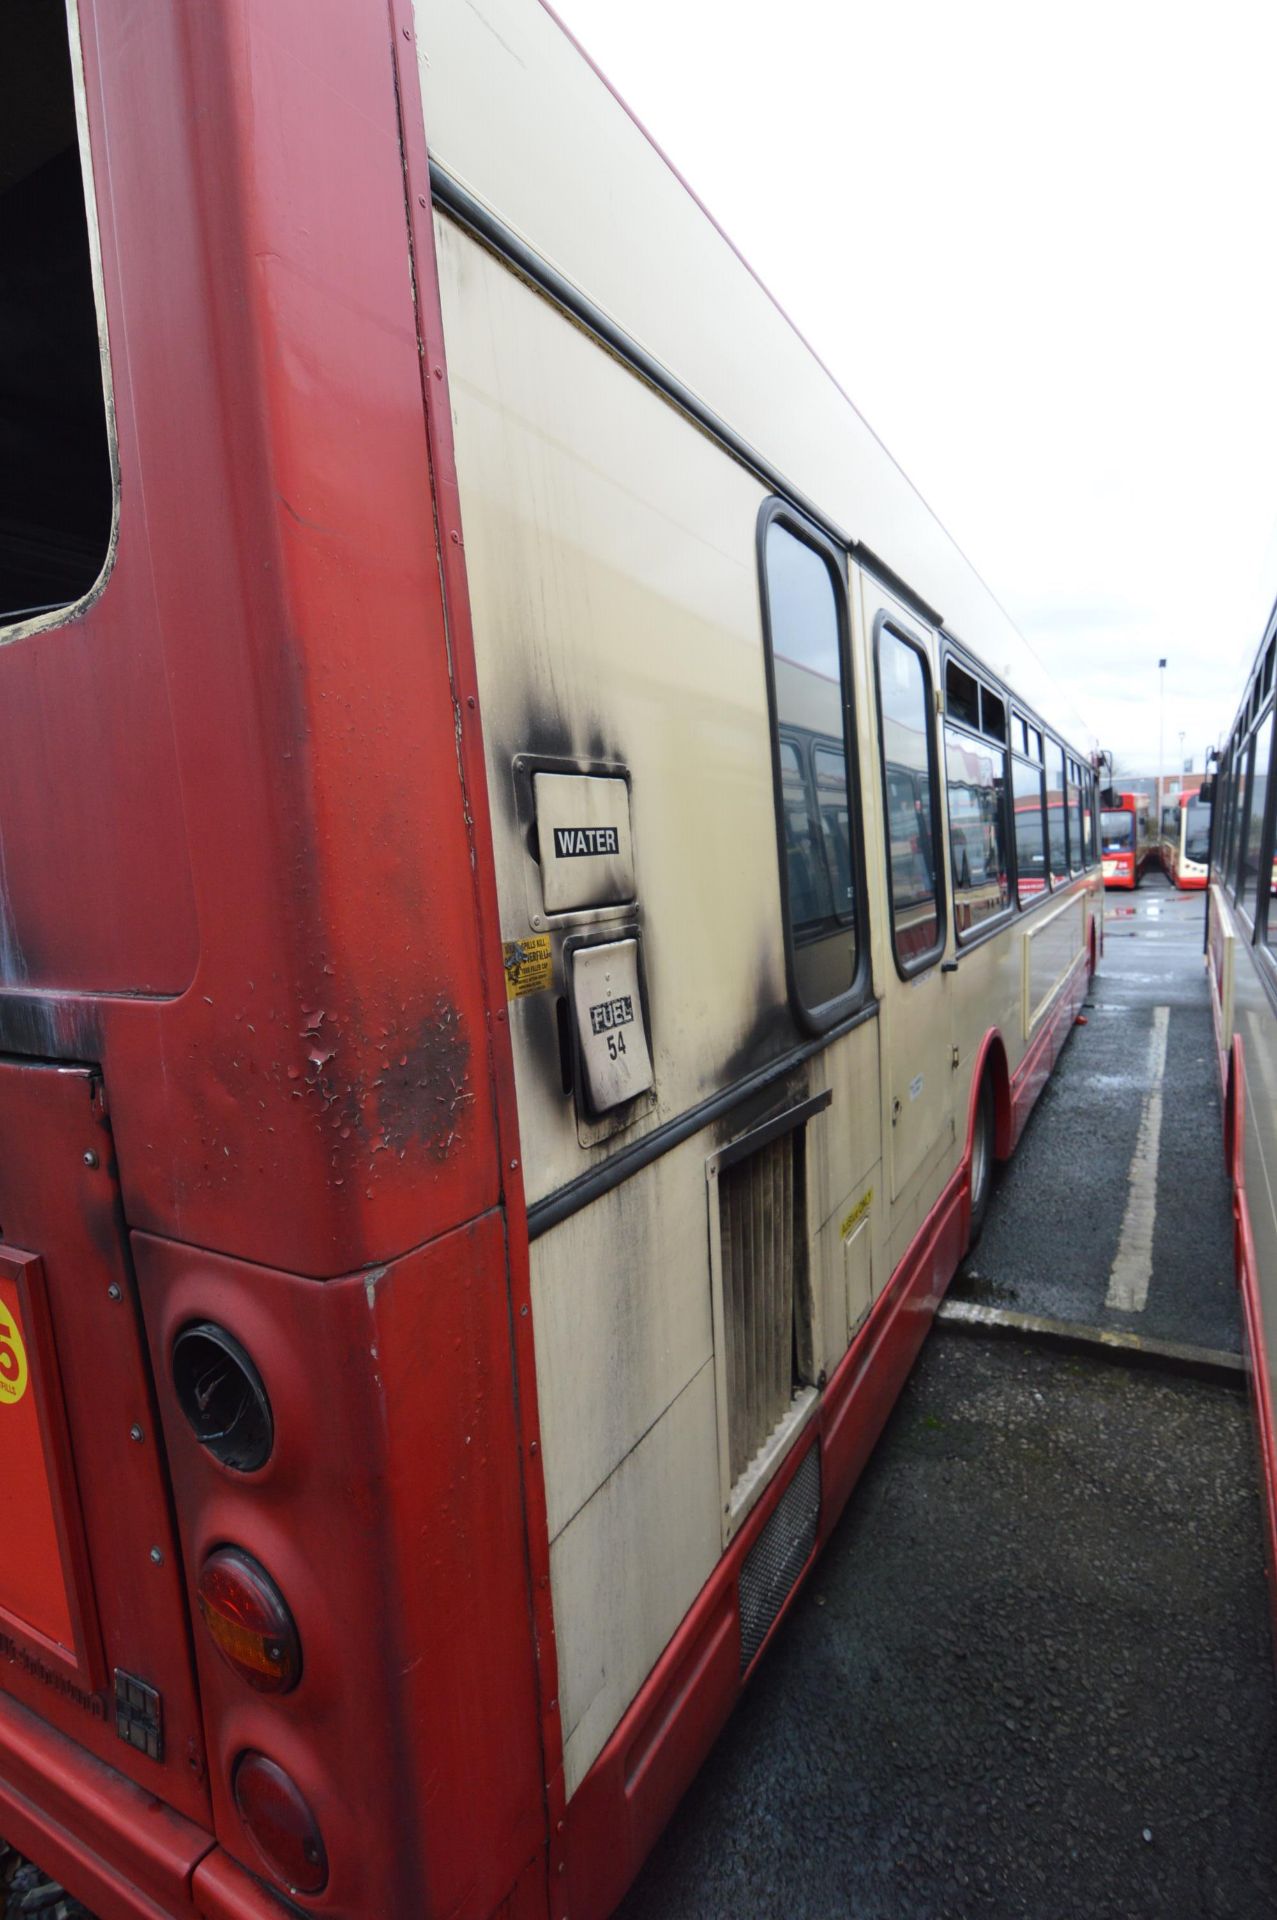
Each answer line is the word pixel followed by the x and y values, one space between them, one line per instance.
pixel 907 756
pixel 1241 805
pixel 1258 800
pixel 834 813
pixel 1056 827
pixel 1077 829
pixel 1197 831
pixel 1030 829
pixel 803 602
pixel 1117 831
pixel 961 695
pixel 810 895
pixel 55 465
pixel 976 781
pixel 1088 824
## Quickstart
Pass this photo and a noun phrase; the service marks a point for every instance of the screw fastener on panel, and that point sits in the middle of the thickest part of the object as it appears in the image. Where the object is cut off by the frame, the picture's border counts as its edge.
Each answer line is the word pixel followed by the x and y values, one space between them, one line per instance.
pixel 157 1556
pixel 90 1158
pixel 135 1432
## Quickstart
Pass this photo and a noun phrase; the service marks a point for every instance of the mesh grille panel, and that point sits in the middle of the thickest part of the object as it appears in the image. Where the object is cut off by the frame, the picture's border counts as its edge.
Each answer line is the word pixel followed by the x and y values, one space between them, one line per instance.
pixel 758 1214
pixel 778 1556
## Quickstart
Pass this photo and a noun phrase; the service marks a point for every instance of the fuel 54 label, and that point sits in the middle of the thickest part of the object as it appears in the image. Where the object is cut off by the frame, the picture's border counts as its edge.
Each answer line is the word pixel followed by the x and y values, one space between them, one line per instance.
pixel 13 1360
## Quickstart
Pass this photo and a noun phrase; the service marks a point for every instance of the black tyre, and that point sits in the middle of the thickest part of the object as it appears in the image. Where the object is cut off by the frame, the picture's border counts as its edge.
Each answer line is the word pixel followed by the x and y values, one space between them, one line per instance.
pixel 981 1160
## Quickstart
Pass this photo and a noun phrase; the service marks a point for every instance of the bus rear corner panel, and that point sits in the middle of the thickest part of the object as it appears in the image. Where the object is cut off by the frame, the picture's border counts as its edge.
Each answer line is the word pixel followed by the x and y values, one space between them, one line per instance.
pixel 265 1560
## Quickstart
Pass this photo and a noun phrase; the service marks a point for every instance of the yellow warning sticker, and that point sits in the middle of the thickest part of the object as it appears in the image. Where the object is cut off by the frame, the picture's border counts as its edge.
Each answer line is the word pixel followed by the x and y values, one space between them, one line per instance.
pixel 529 965
pixel 858 1212
pixel 13 1361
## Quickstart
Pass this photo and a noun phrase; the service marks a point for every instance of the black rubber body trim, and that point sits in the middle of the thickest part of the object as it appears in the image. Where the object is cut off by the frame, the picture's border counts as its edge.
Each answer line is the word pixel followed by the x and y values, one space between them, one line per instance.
pixel 559 1206
pixel 478 220
pixel 773 1129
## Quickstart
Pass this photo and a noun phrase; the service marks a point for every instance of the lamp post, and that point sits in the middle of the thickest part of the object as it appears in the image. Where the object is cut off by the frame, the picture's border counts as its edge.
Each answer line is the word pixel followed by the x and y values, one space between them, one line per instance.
pixel 1161 732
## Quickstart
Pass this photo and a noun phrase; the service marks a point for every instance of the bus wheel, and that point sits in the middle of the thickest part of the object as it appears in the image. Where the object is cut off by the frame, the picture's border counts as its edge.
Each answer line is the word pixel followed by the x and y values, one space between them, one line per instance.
pixel 981 1160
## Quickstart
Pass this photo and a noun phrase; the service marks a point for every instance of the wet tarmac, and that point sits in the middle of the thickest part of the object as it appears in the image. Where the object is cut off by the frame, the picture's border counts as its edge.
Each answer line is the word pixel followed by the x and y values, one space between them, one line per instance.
pixel 1032 1675
pixel 1051 1241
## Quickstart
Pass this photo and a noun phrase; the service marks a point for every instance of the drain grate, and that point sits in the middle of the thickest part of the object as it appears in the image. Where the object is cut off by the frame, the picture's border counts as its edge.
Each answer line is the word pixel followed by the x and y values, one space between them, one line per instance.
pixel 778 1556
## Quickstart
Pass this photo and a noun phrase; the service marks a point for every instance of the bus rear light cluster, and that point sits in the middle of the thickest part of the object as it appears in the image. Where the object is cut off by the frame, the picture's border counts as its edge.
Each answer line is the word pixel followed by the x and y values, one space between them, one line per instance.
pixel 249 1621
pixel 280 1824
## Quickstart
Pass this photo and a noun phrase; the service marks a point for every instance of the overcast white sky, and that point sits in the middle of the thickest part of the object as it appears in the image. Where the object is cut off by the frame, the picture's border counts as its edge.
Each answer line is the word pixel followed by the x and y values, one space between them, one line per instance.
pixel 1036 247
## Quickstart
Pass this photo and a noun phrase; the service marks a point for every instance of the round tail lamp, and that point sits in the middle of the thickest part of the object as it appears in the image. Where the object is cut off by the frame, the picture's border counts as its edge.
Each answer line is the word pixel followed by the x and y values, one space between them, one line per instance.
pixel 221 1393
pixel 280 1824
pixel 249 1621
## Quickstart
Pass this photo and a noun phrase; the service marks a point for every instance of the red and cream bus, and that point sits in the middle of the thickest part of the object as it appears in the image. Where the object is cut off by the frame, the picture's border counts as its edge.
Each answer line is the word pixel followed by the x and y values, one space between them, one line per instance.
pixel 536 883
pixel 1125 842
pixel 1241 948
pixel 1185 843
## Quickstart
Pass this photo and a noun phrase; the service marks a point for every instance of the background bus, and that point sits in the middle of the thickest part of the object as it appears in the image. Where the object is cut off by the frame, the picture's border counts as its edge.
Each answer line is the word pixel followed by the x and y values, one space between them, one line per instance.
pixel 1185 839
pixel 1125 842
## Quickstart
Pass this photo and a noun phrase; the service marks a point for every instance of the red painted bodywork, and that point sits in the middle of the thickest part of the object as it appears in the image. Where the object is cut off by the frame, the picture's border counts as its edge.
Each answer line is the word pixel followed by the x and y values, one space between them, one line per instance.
pixel 110 1501
pixel 128 1855
pixel 390 1519
pixel 240 882
pixel 39 1510
pixel 1252 1314
pixel 249 898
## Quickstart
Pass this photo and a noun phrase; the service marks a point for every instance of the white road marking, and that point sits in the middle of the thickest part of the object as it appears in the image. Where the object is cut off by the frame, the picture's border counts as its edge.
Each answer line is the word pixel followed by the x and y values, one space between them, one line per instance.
pixel 1132 1269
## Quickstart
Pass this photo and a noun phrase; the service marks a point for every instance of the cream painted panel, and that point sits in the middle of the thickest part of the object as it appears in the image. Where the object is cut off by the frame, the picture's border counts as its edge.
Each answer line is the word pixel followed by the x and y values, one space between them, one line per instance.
pixel 917 1093
pixel 857 1250
pixel 843 1170
pixel 614 587
pixel 986 992
pixel 516 114
pixel 1052 941
pixel 843 1142
pixel 843 1263
pixel 908 1214
pixel 629 1566
pixel 918 1104
pixel 621 1299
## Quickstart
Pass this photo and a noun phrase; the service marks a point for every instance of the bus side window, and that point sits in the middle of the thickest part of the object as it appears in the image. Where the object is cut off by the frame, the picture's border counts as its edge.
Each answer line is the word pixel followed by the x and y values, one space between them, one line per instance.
pixel 804 606
pixel 1079 852
pixel 1241 812
pixel 975 778
pixel 1057 831
pixel 1030 830
pixel 909 783
pixel 834 812
pixel 809 894
pixel 1251 834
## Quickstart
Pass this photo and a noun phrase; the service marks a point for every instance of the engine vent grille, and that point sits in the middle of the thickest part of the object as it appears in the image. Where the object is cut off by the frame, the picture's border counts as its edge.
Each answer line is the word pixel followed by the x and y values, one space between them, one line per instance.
pixel 778 1556
pixel 765 1319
